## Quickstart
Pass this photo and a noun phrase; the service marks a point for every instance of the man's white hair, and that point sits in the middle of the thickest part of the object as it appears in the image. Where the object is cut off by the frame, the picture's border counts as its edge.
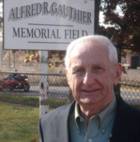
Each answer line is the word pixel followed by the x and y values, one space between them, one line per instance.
pixel 99 39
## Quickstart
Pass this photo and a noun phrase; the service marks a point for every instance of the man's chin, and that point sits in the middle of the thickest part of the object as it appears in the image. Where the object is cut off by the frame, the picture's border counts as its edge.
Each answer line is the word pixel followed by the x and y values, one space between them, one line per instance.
pixel 91 100
pixel 87 101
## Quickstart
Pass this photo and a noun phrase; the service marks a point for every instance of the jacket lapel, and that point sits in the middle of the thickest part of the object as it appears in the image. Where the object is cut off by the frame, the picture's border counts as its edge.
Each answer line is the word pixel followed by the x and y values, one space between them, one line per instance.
pixel 120 123
pixel 62 134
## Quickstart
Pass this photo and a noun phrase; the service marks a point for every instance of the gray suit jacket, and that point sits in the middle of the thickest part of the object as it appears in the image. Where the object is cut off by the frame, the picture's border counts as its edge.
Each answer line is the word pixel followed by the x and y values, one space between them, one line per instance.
pixel 54 125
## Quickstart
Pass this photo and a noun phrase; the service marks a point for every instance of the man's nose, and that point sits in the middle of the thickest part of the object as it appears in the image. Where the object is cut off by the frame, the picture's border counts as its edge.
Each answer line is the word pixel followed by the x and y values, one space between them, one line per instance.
pixel 88 79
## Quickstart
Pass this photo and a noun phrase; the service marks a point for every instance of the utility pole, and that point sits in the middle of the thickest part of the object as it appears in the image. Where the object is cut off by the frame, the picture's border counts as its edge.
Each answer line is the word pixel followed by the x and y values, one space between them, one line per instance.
pixel 1 50
pixel 97 9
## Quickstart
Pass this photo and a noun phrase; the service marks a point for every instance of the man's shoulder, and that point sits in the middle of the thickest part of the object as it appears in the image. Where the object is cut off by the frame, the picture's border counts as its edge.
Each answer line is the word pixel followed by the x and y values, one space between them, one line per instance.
pixel 57 113
pixel 127 122
pixel 54 122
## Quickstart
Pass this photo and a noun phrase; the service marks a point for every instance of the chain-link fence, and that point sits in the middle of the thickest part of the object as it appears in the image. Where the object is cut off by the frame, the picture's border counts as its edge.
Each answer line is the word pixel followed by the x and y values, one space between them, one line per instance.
pixel 58 88
pixel 130 91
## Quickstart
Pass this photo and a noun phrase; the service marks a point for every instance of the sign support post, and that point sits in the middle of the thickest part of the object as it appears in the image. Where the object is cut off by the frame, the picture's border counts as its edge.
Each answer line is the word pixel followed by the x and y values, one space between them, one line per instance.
pixel 43 85
pixel 1 52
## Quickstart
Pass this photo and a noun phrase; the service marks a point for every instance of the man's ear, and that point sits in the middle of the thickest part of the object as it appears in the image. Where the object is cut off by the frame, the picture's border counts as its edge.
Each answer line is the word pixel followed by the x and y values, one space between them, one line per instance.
pixel 118 73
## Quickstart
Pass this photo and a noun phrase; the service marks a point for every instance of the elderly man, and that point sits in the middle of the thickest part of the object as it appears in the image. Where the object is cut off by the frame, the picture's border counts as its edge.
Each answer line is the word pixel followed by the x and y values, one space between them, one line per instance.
pixel 97 114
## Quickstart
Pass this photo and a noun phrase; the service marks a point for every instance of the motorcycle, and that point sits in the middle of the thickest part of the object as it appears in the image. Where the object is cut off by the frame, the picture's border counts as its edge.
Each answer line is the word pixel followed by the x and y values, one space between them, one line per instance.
pixel 15 81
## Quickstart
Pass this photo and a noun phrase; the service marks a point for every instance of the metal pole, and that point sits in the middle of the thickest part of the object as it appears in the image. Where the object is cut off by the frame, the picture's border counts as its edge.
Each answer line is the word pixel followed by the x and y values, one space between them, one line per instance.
pixel 118 87
pixel 9 59
pixel 14 64
pixel 97 8
pixel 1 53
pixel 43 85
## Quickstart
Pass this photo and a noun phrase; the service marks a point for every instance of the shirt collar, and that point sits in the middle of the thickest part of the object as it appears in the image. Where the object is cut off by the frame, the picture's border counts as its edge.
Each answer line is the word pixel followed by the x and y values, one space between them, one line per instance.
pixel 109 110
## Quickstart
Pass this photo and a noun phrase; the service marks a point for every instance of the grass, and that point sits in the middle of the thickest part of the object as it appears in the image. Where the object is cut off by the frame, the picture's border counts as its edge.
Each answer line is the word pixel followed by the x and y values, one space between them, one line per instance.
pixel 18 123
pixel 19 117
pixel 54 103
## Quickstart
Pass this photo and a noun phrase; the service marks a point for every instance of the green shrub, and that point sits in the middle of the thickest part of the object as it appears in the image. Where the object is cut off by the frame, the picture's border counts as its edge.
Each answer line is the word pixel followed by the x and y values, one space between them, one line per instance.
pixel 18 99
pixel 53 103
pixel 31 100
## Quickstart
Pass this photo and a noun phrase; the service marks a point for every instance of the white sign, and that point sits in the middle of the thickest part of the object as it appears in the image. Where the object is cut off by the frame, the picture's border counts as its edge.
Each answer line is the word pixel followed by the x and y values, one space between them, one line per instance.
pixel 46 24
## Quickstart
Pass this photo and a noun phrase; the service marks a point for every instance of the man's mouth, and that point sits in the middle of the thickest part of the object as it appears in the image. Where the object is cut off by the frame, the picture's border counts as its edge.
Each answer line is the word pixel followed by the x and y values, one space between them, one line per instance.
pixel 89 91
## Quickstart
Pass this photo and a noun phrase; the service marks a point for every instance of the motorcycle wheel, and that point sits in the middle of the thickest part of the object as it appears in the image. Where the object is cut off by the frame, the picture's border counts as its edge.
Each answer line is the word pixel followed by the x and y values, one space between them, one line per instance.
pixel 26 87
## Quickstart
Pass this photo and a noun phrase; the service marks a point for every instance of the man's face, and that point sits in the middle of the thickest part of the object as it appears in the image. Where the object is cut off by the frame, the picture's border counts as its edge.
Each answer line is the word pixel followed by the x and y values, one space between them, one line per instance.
pixel 91 76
